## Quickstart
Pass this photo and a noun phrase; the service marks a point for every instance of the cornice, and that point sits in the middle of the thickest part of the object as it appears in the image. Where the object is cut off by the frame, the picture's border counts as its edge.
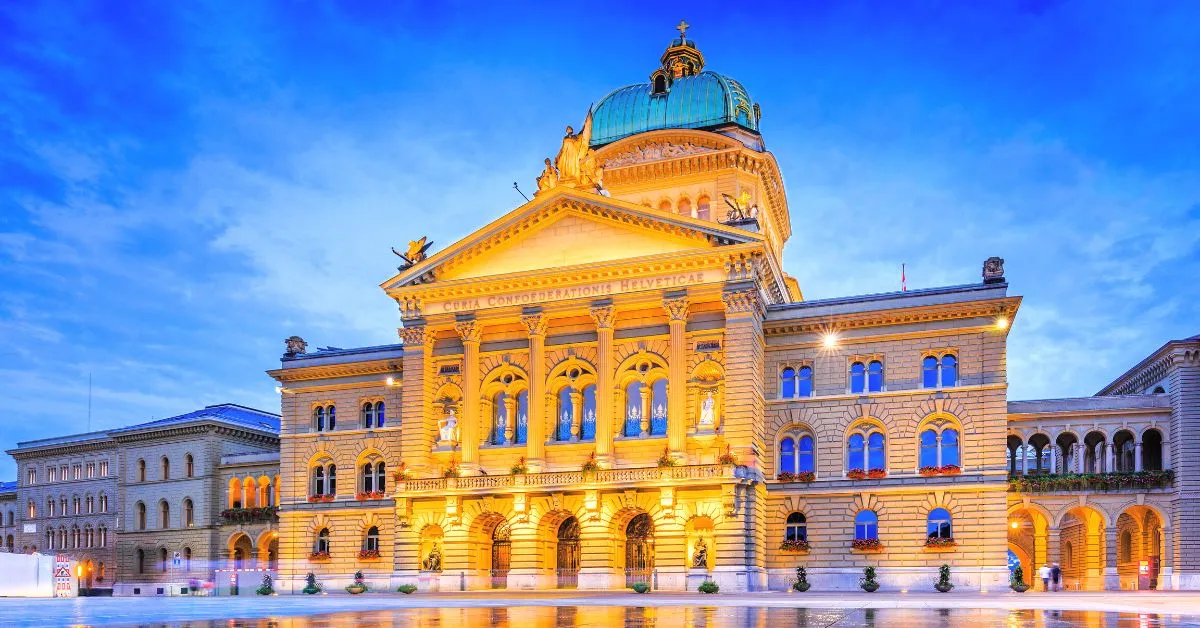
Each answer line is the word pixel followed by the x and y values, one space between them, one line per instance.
pixel 328 371
pixel 59 450
pixel 899 316
pixel 155 433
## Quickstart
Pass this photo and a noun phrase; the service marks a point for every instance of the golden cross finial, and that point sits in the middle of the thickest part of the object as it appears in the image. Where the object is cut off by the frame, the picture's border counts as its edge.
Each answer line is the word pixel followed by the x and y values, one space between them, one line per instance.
pixel 682 28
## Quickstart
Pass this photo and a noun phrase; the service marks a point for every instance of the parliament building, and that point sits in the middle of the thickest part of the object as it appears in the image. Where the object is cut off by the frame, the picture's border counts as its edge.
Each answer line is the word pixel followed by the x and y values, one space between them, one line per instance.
pixel 618 382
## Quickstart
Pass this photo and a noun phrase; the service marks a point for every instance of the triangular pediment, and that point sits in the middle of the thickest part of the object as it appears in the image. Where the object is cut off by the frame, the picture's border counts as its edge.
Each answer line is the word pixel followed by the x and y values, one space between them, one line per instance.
pixel 567 229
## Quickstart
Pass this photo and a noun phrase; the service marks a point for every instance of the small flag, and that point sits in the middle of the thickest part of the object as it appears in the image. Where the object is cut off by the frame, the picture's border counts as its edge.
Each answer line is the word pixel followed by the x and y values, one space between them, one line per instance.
pixel 903 280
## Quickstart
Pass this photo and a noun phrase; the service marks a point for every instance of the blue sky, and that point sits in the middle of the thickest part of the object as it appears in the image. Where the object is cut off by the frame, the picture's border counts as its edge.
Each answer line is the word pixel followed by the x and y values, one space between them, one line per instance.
pixel 182 185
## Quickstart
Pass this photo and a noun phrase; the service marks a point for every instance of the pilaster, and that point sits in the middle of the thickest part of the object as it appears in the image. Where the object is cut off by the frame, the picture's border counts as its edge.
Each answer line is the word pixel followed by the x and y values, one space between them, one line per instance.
pixel 417 437
pixel 677 314
pixel 469 330
pixel 536 325
pixel 604 316
pixel 744 366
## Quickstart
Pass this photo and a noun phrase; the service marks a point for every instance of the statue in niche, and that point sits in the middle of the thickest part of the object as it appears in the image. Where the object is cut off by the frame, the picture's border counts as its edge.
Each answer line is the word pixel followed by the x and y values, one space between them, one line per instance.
pixel 432 562
pixel 707 411
pixel 448 427
pixel 700 558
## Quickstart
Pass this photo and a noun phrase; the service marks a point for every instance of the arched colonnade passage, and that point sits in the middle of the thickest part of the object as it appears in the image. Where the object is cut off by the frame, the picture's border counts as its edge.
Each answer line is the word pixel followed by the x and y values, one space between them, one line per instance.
pixel 563 544
pixel 242 552
pixel 1096 547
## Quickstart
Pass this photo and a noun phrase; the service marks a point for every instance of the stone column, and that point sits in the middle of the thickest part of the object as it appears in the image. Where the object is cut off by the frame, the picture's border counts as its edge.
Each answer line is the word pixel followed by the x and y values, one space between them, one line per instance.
pixel 1053 458
pixel 1137 456
pixel 1053 547
pixel 510 419
pixel 744 367
pixel 469 330
pixel 647 393
pixel 604 316
pixel 1024 449
pixel 1079 456
pixel 1112 581
pixel 1110 461
pixel 420 428
pixel 535 447
pixel 677 314
pixel 1166 455
pixel 576 414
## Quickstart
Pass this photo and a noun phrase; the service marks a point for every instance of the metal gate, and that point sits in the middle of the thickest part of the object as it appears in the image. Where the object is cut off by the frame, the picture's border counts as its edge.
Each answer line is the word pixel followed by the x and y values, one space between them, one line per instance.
pixel 639 550
pixel 568 554
pixel 501 556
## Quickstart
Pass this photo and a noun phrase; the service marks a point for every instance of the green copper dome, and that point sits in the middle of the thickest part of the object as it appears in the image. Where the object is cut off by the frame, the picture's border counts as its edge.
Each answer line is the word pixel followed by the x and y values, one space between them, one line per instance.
pixel 680 95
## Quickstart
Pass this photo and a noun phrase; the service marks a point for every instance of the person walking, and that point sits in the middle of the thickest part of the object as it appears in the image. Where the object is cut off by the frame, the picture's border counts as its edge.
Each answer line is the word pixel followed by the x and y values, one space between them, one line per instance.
pixel 1055 576
pixel 1044 574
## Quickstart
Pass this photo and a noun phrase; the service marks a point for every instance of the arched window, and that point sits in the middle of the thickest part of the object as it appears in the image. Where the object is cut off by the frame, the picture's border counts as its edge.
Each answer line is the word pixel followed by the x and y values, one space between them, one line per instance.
pixel 379 414
pixel 1152 450
pixel 804 383
pixel 806 455
pixel 949 370
pixel 324 418
pixel 380 475
pixel 189 466
pixel 31 509
pixel 684 208
pixel 162 559
pixel 929 449
pixel 164 515
pixel 796 528
pixel 665 205
pixel 875 376
pixel 787 455
pixel 856 452
pixel 929 372
pixel 189 514
pixel 950 452
pixel 787 385
pixel 938 524
pixel 141 516
pixel 702 211
pixel 318 481
pixel 587 427
pixel 103 534
pixel 866 526
pixel 331 480
pixel 368 478
pixel 875 453
pixel 89 536
pixel 633 408
pixel 319 418
pixel 187 559
pixel 866 449
pixel 858 375
pixel 371 541
pixel 141 470
pixel 658 408
pixel 166 468
pixel 1124 450
pixel 566 408
pixel 522 427
pixel 141 561
pixel 76 506
pixel 368 415
pixel 660 84
pixel 322 543
pixel 103 502
pixel 939 373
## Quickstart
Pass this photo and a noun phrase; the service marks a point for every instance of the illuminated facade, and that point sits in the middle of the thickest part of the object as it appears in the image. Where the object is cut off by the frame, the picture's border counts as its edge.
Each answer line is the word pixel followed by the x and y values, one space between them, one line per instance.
pixel 616 382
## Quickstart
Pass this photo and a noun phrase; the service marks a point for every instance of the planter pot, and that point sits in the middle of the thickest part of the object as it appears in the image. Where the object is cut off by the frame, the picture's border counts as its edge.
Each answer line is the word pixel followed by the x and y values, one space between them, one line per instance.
pixel 355 589
pixel 801 586
pixel 869 587
pixel 1020 588
pixel 943 587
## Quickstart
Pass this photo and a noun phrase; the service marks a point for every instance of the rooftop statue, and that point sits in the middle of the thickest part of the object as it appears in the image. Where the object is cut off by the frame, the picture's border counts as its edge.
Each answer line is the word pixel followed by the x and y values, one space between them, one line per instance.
pixel 576 162
pixel 415 254
pixel 548 178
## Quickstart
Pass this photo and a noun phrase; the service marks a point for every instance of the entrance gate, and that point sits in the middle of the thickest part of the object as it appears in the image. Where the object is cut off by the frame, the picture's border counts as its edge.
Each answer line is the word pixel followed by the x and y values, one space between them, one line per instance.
pixel 639 550
pixel 568 554
pixel 501 556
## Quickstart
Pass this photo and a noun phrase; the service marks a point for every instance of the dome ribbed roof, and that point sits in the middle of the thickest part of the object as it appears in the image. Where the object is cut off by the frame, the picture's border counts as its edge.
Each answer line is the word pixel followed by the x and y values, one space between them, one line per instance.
pixel 707 99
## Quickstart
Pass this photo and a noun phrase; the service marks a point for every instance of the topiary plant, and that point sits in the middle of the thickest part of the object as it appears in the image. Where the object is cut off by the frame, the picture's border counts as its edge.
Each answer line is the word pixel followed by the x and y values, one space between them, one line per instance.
pixel 708 586
pixel 943 583
pixel 801 583
pixel 266 588
pixel 868 581
pixel 407 589
pixel 311 587
pixel 1016 581
pixel 641 587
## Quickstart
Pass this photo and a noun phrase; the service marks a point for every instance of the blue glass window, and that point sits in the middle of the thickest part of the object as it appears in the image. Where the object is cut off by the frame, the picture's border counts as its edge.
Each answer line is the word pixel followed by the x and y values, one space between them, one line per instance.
pixel 633 409
pixel 565 408
pixel 875 454
pixel 587 430
pixel 929 372
pixel 949 370
pixel 379 414
pixel 938 525
pixel 368 415
pixel 875 376
pixel 854 452
pixel 806 381
pixel 320 418
pixel 866 525
pixel 858 373
pixel 331 412
pixel 788 384
pixel 658 408
pixel 499 418
pixel 950 448
pixel 522 428
pixel 804 458
pixel 787 455
pixel 796 528
pixel 929 449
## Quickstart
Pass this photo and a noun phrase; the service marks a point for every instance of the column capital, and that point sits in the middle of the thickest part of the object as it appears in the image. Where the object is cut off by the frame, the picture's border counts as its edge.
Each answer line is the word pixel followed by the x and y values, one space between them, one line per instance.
pixel 743 301
pixel 676 308
pixel 468 330
pixel 535 323
pixel 604 316
pixel 415 336
pixel 410 307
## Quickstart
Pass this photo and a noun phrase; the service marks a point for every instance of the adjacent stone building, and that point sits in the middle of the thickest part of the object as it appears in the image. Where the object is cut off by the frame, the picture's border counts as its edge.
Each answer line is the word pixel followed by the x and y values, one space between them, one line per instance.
pixel 8 516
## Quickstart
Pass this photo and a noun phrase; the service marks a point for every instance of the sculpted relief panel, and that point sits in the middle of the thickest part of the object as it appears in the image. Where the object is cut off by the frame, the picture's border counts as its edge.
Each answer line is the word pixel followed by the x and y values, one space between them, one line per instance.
pixel 654 152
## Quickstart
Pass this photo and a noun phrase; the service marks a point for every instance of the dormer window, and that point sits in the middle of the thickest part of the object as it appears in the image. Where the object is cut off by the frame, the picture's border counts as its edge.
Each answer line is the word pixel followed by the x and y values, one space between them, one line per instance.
pixel 660 84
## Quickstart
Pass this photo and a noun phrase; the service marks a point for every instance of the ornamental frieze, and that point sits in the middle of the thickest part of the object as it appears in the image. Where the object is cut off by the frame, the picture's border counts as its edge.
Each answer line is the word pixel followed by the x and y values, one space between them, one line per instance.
pixel 654 152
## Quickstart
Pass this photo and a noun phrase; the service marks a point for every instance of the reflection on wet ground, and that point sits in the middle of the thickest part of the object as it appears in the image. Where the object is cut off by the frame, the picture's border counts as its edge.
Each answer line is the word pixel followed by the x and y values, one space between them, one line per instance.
pixel 700 617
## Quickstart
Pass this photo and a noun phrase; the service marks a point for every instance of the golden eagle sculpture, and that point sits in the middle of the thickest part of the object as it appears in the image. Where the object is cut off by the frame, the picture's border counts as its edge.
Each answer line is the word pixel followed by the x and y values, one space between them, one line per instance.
pixel 415 254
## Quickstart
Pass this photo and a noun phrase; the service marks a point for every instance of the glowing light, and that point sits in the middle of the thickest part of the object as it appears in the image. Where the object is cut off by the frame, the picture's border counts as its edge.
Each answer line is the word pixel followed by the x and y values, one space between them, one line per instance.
pixel 278 390
pixel 1002 322
pixel 391 381
pixel 1015 525
pixel 829 340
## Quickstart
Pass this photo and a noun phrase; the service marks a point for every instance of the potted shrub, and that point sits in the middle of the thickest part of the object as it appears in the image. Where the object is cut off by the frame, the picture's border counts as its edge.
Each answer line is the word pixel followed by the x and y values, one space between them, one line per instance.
pixel 665 460
pixel 1016 581
pixel 641 587
pixel 590 465
pixel 407 589
pixel 400 473
pixel 451 471
pixel 708 586
pixel 727 458
pixel 520 468
pixel 868 581
pixel 310 584
pixel 943 583
pixel 359 585
pixel 801 583
pixel 265 588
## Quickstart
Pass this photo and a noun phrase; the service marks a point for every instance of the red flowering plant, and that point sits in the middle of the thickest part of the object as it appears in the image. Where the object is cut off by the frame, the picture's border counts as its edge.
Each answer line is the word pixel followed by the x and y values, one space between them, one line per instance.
pixel 312 499
pixel 665 460
pixel 369 495
pixel 727 458
pixel 400 473
pixel 930 471
pixel 794 545
pixel 940 542
pixel 520 468
pixel 368 553
pixel 786 476
pixel 950 469
pixel 876 474
pixel 244 515
pixel 591 465
pixel 806 476
pixel 866 545
pixel 856 474
pixel 451 471
pixel 318 555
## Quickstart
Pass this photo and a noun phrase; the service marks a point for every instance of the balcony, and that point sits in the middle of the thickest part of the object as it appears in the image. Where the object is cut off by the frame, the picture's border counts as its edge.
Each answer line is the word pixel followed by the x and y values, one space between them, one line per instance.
pixel 268 514
pixel 576 479
pixel 1093 482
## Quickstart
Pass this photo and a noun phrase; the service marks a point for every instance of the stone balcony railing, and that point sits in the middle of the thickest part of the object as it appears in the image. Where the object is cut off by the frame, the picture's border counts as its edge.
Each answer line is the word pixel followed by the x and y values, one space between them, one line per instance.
pixel 269 514
pixel 1110 482
pixel 574 479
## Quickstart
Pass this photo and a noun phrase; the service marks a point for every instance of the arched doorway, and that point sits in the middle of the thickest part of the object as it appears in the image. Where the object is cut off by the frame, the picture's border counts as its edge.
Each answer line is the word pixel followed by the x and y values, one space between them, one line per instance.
pixel 240 551
pixel 501 555
pixel 639 550
pixel 1082 550
pixel 87 569
pixel 568 554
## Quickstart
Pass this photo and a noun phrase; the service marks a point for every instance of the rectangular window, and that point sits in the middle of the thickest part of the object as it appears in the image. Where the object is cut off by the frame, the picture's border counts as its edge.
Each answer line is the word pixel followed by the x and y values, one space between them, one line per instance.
pixel 31 477
pixel 91 470
pixel 103 468
pixel 51 475
pixel 62 473
pixel 76 472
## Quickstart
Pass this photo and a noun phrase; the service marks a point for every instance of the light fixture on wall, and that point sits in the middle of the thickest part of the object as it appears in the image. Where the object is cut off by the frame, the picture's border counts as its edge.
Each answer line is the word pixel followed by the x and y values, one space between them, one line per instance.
pixel 829 339
pixel 1002 322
